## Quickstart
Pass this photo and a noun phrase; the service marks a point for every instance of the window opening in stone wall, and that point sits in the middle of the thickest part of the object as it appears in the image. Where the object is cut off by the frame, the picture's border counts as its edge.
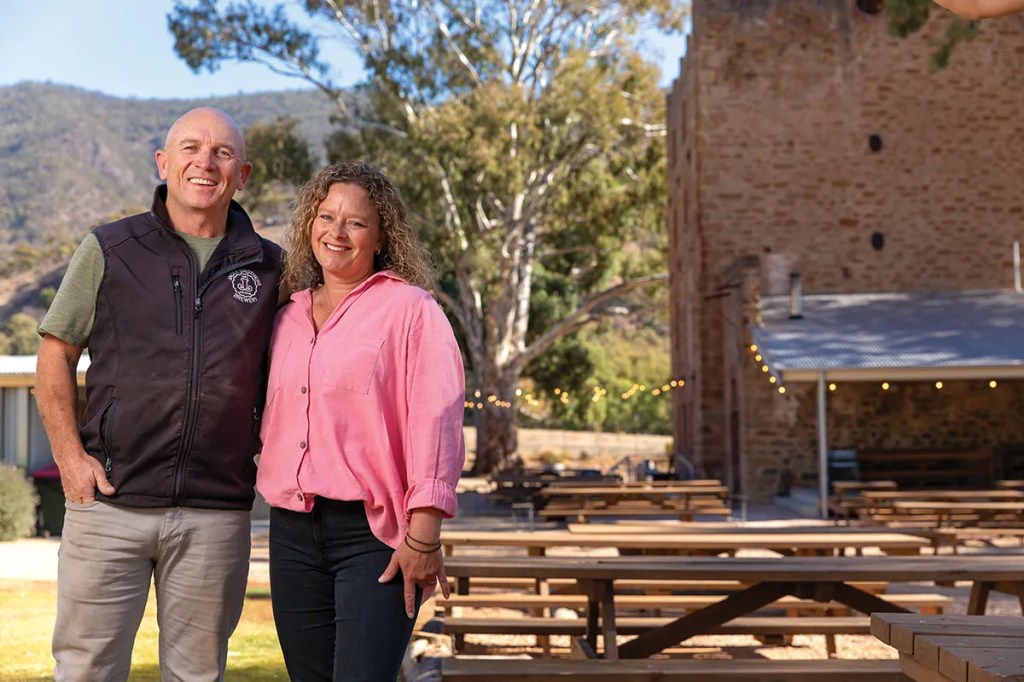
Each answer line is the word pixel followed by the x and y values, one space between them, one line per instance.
pixel 875 142
pixel 878 241
pixel 870 6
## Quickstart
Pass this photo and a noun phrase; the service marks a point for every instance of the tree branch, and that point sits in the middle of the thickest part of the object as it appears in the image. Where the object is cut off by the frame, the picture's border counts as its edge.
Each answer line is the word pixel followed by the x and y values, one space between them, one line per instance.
pixel 583 314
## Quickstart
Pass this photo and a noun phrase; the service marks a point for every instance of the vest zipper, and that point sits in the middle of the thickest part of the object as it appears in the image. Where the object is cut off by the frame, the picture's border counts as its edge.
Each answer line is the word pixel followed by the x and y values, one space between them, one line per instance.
pixel 177 303
pixel 192 386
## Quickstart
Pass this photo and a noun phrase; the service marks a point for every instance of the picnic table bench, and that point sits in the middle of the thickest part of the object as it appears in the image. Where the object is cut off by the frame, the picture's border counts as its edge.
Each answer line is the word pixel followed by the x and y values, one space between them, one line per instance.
pixel 946 512
pixel 847 502
pixel 823 579
pixel 682 500
pixel 801 543
pixel 955 648
pixel 558 670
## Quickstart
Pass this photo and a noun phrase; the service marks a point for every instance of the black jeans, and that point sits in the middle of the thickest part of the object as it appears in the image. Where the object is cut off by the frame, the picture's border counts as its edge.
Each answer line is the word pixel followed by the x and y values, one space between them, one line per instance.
pixel 334 620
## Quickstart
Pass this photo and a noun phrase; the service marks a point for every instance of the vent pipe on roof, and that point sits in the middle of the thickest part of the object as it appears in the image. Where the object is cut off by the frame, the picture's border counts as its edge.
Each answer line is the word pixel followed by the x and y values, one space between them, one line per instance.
pixel 796 303
pixel 1016 268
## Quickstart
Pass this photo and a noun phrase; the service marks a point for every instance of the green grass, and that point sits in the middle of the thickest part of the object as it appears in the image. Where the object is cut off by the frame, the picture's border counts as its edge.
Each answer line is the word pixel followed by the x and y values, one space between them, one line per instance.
pixel 28 609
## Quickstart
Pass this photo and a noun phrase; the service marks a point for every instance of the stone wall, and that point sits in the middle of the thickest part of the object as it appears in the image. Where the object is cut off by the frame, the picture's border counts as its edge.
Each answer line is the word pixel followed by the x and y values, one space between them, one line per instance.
pixel 774 126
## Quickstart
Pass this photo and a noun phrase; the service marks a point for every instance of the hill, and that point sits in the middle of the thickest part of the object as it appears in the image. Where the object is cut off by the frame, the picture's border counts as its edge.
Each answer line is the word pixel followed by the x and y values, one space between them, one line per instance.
pixel 69 158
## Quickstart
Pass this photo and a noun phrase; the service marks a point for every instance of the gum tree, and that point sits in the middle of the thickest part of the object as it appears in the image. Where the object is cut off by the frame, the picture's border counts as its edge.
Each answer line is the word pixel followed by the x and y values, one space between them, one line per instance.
pixel 528 136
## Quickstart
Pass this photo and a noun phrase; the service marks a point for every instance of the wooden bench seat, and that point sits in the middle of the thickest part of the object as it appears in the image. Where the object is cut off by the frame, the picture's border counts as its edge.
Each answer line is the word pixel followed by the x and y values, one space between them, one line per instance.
pixel 924 603
pixel 582 514
pixel 569 586
pixel 747 625
pixel 693 670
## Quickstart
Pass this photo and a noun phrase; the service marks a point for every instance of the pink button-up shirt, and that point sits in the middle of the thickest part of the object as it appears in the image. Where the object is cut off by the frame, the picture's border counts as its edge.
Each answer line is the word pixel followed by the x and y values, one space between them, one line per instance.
pixel 370 408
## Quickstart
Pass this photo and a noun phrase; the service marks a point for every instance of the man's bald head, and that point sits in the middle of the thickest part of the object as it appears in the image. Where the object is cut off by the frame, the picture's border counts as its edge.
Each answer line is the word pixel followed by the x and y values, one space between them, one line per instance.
pixel 199 113
pixel 203 162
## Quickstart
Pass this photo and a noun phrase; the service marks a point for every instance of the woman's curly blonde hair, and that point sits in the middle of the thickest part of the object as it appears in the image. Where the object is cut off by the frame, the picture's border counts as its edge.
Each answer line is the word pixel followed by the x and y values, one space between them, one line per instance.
pixel 400 251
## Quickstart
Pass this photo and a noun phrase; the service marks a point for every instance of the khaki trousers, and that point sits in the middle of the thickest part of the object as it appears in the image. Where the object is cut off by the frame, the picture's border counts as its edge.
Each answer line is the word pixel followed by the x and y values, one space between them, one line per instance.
pixel 199 562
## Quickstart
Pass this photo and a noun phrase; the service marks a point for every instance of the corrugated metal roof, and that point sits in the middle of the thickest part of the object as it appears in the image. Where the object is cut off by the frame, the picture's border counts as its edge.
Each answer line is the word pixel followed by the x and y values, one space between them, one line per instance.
pixel 884 331
pixel 25 365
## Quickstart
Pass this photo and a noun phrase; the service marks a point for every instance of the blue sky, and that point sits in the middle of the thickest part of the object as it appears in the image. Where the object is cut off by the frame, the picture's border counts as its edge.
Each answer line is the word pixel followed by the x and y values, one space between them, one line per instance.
pixel 123 48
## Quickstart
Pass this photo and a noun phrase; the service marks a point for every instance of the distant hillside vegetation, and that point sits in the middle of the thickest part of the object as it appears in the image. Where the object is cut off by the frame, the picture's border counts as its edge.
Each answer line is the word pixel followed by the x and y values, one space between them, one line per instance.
pixel 70 158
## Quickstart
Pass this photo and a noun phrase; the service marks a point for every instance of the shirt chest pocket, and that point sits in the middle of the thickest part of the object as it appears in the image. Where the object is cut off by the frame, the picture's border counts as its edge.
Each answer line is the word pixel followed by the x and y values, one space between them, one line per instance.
pixel 353 366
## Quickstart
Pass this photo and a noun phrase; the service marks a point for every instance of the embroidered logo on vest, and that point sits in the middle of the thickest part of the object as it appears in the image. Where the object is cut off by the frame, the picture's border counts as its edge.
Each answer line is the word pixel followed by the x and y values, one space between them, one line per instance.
pixel 246 284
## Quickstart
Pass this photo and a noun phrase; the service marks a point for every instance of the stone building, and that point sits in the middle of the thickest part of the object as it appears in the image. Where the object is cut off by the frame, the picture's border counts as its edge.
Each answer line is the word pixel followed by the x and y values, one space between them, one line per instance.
pixel 817 161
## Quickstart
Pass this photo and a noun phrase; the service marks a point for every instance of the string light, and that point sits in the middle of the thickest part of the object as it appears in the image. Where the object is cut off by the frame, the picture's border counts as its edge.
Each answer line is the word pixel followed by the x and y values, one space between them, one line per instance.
pixel 992 384
pixel 831 387
pixel 938 385
pixel 782 389
pixel 598 393
pixel 885 385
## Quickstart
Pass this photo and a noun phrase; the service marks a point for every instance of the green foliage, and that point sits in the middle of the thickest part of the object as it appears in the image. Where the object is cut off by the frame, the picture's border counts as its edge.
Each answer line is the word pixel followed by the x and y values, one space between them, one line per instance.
pixel 281 161
pixel 46 296
pixel 18 502
pixel 596 368
pixel 909 16
pixel 22 336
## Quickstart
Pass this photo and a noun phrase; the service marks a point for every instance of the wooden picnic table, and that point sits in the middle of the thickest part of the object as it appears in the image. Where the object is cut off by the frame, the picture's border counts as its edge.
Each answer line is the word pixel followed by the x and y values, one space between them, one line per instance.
pixel 1010 484
pixel 684 501
pixel 824 579
pixel 801 543
pixel 693 483
pixel 636 491
pixel 941 495
pixel 954 648
pixel 946 510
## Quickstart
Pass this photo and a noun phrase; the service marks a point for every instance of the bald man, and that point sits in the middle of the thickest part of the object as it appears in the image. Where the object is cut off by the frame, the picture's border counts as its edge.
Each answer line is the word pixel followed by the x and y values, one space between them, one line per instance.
pixel 982 9
pixel 176 307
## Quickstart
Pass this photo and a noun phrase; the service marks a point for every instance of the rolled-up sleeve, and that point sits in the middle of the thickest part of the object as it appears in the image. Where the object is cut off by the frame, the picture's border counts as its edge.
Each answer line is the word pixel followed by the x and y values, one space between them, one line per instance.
pixel 436 400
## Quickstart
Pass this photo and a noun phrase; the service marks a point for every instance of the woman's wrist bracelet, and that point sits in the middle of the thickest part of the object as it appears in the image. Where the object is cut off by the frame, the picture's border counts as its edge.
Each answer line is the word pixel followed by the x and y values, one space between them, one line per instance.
pixel 421 551
pixel 420 542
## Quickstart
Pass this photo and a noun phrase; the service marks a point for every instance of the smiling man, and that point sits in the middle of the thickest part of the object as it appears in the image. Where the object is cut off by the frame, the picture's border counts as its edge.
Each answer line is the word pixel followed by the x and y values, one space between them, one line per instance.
pixel 176 307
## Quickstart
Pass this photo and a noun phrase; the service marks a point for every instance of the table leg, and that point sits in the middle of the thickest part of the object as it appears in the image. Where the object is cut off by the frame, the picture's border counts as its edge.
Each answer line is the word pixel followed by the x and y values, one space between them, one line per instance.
pixel 461 587
pixel 541 587
pixel 979 598
pixel 703 620
pixel 853 597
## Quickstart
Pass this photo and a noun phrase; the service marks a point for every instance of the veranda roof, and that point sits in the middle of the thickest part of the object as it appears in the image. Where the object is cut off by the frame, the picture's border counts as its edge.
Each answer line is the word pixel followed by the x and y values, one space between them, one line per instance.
pixel 894 336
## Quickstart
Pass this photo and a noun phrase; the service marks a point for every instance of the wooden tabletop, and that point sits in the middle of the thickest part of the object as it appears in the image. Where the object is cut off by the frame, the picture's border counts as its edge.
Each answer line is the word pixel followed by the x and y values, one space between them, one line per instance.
pixel 991 568
pixel 893 495
pixel 635 491
pixel 695 483
pixel 687 541
pixel 958 505
pixel 955 648
pixel 674 527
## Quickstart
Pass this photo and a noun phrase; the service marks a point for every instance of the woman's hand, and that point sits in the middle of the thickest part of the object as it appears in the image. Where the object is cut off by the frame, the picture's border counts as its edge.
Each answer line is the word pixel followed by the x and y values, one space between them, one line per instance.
pixel 419 558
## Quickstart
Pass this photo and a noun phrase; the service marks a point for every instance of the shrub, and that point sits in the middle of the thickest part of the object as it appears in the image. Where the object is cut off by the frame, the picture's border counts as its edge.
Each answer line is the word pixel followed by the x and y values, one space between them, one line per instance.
pixel 18 502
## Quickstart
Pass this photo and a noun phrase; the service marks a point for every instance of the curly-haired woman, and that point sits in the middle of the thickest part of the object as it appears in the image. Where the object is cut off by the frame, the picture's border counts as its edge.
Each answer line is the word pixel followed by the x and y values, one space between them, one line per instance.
pixel 362 433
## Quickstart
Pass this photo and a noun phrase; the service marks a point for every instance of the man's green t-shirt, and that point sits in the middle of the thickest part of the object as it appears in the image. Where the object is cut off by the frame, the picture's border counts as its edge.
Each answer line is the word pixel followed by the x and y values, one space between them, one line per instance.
pixel 73 311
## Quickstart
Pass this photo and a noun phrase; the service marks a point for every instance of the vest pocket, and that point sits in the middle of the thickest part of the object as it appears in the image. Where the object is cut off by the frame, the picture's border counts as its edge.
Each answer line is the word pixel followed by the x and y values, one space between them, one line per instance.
pixel 106 425
pixel 176 284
